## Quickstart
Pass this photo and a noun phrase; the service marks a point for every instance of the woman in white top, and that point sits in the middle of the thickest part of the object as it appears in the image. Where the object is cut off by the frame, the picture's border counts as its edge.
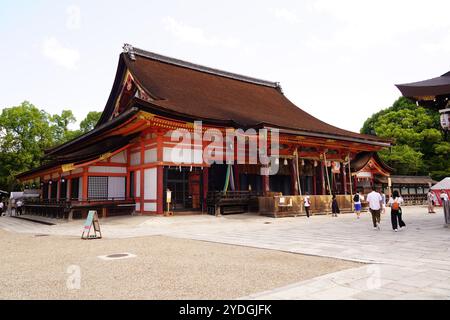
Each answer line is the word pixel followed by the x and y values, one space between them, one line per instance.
pixel 395 203
pixel 307 204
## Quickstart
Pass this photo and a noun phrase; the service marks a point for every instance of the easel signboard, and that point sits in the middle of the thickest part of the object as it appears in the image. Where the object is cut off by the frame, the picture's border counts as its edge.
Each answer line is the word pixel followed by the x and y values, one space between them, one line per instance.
pixel 91 223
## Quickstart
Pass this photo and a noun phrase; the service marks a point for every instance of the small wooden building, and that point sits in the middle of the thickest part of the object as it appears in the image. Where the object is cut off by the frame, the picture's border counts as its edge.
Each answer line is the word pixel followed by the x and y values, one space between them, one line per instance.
pixel 130 159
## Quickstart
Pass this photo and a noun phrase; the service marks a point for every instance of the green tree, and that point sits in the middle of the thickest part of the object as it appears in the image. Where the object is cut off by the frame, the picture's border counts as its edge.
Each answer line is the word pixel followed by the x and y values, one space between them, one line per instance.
pixel 419 147
pixel 60 126
pixel 90 121
pixel 24 134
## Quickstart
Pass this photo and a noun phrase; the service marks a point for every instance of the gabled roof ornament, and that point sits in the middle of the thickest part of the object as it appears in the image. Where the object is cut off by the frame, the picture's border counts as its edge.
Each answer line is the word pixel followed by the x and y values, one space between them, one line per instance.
pixel 128 48
pixel 279 88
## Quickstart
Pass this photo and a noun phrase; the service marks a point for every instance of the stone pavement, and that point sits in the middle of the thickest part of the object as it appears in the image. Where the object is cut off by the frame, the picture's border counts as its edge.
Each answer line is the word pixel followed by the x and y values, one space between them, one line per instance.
pixel 411 264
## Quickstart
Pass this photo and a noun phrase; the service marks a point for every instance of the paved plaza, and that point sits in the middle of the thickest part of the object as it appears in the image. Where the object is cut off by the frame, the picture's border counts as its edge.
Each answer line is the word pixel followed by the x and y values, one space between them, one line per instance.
pixel 411 264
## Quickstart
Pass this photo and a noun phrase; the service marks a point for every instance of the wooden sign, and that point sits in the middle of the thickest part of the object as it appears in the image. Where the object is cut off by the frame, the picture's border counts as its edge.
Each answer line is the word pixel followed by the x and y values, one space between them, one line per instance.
pixel 91 223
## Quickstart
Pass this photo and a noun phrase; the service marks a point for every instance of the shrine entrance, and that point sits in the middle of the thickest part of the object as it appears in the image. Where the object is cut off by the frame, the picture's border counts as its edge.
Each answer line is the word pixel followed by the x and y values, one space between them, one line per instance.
pixel 186 187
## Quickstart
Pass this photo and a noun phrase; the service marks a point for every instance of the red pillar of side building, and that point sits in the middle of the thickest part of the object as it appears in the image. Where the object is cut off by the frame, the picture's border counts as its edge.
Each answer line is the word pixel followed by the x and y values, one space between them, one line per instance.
pixel 294 182
pixel 85 185
pixel 142 175
pixel 323 190
pixel 58 190
pixel 343 179
pixel 160 190
pixel 205 182
pixel 160 173
pixel 266 183
pixel 69 189
pixel 128 183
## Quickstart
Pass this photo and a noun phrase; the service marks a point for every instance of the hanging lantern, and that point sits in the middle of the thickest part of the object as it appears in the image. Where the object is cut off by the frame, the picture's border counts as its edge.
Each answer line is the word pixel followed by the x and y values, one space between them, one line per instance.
pixel 285 162
pixel 445 119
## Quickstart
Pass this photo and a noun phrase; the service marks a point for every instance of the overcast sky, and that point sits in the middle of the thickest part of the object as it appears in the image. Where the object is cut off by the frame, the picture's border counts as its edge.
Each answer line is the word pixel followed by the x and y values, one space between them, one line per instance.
pixel 338 60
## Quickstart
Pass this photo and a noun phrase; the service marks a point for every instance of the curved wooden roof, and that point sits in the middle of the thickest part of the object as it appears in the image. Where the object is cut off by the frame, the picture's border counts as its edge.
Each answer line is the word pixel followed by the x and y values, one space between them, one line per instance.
pixel 428 88
pixel 210 94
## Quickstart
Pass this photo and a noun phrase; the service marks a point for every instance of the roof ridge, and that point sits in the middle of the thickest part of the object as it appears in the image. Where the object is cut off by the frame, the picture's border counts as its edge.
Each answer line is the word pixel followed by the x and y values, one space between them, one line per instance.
pixel 132 52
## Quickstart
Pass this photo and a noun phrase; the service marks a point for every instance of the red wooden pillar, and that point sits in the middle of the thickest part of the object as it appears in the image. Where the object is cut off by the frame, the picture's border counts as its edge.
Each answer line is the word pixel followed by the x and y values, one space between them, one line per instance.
pixel 355 184
pixel 69 189
pixel 142 174
pixel 58 190
pixel 205 179
pixel 42 185
pixel 322 177
pixel 85 184
pixel 266 183
pixel 49 190
pixel 315 181
pixel 160 191
pixel 343 179
pixel 160 173
pixel 294 182
pixel 128 186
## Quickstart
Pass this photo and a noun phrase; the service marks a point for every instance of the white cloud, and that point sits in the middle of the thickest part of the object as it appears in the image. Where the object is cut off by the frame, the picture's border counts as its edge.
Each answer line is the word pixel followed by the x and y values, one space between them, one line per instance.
pixel 62 56
pixel 196 35
pixel 285 15
pixel 73 21
pixel 364 24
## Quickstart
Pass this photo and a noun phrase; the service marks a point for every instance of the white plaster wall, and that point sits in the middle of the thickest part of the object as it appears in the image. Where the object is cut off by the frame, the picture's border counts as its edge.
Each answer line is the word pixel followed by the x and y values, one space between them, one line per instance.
pixel 177 155
pixel 137 178
pixel 76 171
pixel 108 170
pixel 151 156
pixel 116 187
pixel 135 159
pixel 120 157
pixel 150 184
pixel 150 207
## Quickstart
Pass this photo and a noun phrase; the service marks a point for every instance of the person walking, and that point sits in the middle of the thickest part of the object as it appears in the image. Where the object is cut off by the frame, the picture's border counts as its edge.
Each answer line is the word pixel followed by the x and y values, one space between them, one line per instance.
pixel 383 205
pixel 335 206
pixel 2 206
pixel 19 204
pixel 396 211
pixel 431 201
pixel 357 198
pixel 375 204
pixel 307 204
pixel 445 206
pixel 444 196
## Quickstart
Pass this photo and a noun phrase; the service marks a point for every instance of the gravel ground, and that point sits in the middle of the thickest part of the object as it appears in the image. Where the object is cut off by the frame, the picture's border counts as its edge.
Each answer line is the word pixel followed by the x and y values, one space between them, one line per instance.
pixel 164 268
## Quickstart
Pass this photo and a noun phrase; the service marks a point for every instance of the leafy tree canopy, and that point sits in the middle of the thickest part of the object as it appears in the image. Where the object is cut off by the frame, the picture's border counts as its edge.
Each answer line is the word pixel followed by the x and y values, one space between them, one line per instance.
pixel 26 131
pixel 90 121
pixel 419 147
